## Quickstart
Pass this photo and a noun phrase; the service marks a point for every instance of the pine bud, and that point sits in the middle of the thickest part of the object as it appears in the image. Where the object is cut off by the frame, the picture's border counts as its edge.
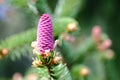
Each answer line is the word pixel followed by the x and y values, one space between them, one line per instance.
pixel 17 76
pixel 56 60
pixel 35 51
pixel 34 44
pixel 56 43
pixel 84 71
pixel 109 54
pixel 68 37
pixel 72 27
pixel 105 45
pixel 37 63
pixel 46 54
pixel 96 33
pixel 32 77
pixel 5 51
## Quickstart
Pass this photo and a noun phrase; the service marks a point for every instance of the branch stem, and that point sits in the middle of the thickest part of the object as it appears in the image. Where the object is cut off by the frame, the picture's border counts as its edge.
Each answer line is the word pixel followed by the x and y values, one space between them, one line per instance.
pixel 49 67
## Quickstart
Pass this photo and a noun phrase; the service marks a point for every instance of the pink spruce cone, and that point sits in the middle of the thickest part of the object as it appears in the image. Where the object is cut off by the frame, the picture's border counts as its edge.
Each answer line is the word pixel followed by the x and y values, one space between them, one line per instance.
pixel 96 33
pixel 45 34
pixel 105 45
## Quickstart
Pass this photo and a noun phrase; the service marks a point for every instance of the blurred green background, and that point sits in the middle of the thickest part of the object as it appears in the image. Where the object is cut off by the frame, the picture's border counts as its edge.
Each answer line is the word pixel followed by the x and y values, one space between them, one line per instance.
pixel 13 20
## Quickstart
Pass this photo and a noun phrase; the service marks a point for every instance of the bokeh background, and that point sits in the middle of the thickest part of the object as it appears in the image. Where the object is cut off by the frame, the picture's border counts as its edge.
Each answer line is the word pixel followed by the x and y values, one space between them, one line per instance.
pixel 14 19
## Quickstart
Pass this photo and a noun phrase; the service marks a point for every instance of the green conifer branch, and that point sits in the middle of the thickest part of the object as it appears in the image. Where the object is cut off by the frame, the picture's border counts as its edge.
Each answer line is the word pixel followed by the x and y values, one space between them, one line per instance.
pixel 19 3
pixel 96 65
pixel 68 8
pixel 111 70
pixel 18 40
pixel 52 72
pixel 84 48
pixel 60 72
pixel 41 73
pixel 77 72
pixel 43 7
pixel 40 6
pixel 60 24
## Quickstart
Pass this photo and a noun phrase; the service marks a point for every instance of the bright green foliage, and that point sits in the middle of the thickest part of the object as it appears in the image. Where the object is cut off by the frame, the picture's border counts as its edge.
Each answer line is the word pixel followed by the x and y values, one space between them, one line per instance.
pixel 41 73
pixel 20 39
pixel 11 43
pixel 68 8
pixel 60 24
pixel 19 3
pixel 96 65
pixel 75 72
pixel 19 52
pixel 43 7
pixel 60 72
pixel 76 54
pixel 31 5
